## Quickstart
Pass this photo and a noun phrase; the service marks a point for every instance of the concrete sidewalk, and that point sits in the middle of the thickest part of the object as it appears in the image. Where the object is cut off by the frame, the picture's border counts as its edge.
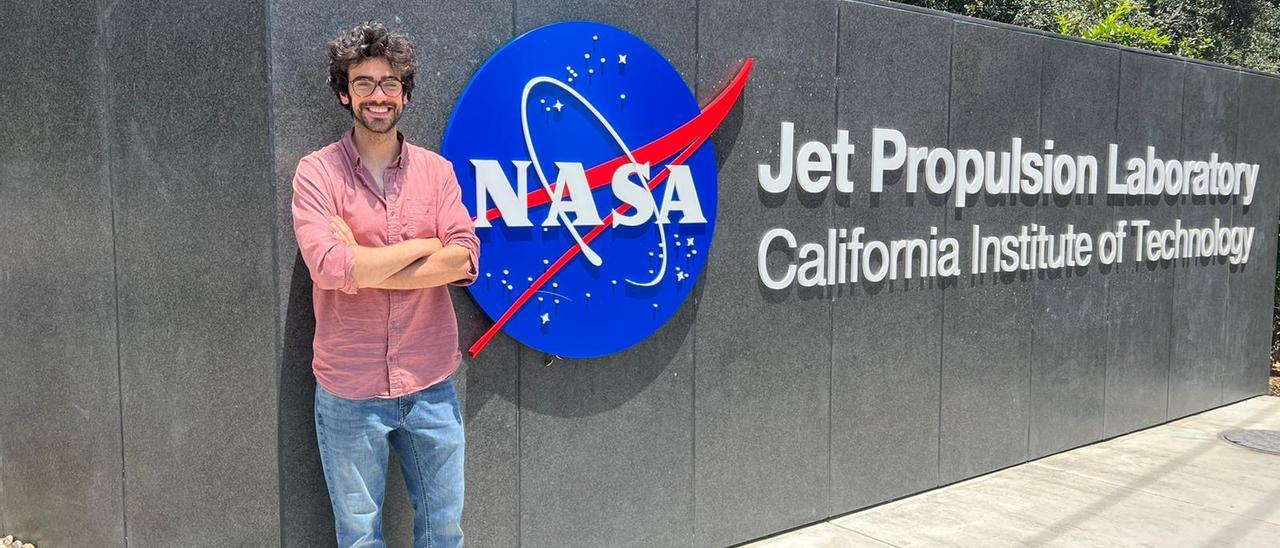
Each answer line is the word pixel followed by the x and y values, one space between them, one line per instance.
pixel 1178 484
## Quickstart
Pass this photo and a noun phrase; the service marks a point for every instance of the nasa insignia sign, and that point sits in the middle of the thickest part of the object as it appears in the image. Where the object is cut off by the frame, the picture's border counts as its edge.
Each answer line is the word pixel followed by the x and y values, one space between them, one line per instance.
pixel 586 164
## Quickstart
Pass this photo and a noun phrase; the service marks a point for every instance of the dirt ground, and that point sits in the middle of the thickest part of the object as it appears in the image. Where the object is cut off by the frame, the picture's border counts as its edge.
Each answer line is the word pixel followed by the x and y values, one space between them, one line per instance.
pixel 1275 378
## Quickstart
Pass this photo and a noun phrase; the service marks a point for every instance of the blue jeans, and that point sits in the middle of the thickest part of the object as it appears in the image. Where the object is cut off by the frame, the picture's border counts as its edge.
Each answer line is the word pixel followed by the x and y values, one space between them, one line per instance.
pixel 425 428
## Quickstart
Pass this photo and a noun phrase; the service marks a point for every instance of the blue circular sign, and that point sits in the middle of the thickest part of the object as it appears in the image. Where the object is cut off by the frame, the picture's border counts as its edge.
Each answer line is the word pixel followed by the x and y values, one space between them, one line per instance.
pixel 592 229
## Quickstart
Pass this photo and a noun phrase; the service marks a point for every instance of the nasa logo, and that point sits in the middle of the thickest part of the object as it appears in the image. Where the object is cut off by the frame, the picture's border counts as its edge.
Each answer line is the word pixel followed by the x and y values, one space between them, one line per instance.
pixel 584 159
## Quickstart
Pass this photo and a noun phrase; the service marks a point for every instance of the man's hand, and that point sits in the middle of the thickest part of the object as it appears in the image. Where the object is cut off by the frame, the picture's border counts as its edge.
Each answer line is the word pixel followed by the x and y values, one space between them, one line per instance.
pixel 373 264
pixel 426 246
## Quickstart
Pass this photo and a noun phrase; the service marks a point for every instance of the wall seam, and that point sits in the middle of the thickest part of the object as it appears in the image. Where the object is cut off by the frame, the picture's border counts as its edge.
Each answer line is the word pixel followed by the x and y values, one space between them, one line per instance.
pixel 105 122
pixel 693 358
pixel 515 29
pixel 942 286
pixel 1106 360
pixel 1231 219
pixel 831 309
pixel 1173 282
pixel 1034 280
pixel 275 263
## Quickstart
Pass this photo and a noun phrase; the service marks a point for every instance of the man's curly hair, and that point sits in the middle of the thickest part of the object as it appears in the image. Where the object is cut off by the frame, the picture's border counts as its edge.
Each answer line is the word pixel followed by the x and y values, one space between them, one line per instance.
pixel 368 40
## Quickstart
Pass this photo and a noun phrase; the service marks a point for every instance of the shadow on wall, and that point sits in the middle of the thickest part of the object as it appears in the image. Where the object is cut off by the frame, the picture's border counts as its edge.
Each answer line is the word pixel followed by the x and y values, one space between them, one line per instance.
pixel 302 486
pixel 307 519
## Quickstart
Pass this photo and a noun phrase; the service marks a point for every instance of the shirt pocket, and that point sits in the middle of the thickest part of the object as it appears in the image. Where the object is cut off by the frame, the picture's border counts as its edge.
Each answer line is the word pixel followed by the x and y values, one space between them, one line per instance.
pixel 419 218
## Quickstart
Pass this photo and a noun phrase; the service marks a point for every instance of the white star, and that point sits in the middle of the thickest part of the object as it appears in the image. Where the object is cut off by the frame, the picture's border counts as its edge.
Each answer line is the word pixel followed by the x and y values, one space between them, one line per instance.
pixel 689 241
pixel 558 105
pixel 680 276
pixel 546 317
pixel 622 58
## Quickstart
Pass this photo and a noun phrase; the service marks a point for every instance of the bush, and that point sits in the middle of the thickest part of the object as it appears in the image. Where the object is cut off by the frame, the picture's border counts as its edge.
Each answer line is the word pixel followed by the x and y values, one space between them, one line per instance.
pixel 1244 33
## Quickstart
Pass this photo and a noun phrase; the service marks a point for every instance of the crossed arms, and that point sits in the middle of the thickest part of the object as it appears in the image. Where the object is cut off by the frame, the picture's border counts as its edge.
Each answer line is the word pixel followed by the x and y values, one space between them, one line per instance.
pixel 412 264
pixel 337 261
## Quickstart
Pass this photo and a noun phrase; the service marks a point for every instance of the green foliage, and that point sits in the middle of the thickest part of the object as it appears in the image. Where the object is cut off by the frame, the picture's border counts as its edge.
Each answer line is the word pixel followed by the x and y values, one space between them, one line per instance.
pixel 1196 47
pixel 1244 33
pixel 1116 25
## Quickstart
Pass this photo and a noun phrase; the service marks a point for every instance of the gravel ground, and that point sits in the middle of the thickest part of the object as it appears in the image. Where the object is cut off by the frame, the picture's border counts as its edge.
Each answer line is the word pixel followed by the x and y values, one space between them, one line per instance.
pixel 9 542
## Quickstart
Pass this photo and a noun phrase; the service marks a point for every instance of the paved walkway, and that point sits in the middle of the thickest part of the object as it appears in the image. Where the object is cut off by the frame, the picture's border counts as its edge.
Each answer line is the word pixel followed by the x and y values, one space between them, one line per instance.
pixel 1174 485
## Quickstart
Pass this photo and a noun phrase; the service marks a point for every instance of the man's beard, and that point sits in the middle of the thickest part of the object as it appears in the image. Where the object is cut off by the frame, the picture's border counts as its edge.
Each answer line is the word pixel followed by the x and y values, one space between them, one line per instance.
pixel 382 125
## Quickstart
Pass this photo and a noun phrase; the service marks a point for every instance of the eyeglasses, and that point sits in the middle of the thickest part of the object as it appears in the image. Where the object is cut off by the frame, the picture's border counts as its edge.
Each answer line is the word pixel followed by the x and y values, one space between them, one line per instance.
pixel 364 87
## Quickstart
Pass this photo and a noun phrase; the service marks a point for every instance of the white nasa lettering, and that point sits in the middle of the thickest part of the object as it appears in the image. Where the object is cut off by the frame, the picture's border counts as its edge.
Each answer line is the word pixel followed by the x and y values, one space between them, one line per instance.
pixel 635 194
pixel 579 201
pixel 492 181
pixel 571 194
pixel 680 196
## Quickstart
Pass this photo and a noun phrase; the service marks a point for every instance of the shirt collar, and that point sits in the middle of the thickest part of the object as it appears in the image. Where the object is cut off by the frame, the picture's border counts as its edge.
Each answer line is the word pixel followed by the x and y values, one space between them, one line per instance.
pixel 353 155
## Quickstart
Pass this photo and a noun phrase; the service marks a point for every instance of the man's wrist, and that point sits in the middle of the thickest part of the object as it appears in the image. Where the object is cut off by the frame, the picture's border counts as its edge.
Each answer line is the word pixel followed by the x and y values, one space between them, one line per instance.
pixel 427 246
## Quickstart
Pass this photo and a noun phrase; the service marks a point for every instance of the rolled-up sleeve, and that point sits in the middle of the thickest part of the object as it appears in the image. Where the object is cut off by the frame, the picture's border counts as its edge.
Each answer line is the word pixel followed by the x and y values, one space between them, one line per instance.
pixel 454 225
pixel 330 261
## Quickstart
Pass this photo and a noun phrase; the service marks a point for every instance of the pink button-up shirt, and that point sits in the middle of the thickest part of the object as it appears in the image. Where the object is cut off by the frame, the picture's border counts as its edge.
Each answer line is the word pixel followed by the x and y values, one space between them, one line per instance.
pixel 379 343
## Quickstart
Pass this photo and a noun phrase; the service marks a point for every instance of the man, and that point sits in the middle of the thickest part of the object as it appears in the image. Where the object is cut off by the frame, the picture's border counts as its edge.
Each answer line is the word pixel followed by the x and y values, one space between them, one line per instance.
pixel 382 229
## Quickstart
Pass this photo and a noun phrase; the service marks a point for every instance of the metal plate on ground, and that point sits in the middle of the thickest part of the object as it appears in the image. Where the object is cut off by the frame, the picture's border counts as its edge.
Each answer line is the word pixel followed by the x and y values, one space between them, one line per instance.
pixel 1261 440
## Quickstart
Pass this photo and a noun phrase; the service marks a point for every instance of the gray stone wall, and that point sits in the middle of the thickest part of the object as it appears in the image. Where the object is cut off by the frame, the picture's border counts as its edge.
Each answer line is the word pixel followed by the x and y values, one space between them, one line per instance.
pixel 155 351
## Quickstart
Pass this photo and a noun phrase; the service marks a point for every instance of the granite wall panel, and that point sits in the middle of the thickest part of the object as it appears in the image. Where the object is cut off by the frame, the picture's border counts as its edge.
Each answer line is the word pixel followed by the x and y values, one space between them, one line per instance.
pixel 1069 351
pixel 190 172
pixel 1139 297
pixel 762 357
pixel 1211 102
pixel 886 346
pixel 625 419
pixel 1249 321
pixel 986 331
pixel 60 408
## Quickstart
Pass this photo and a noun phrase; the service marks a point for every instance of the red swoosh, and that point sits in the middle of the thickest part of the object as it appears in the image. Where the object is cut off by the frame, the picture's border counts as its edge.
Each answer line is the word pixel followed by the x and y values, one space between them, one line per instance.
pixel 685 139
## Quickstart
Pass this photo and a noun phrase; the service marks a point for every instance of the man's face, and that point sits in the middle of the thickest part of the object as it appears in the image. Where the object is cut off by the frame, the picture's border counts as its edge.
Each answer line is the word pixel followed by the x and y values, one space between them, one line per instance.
pixel 377 111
